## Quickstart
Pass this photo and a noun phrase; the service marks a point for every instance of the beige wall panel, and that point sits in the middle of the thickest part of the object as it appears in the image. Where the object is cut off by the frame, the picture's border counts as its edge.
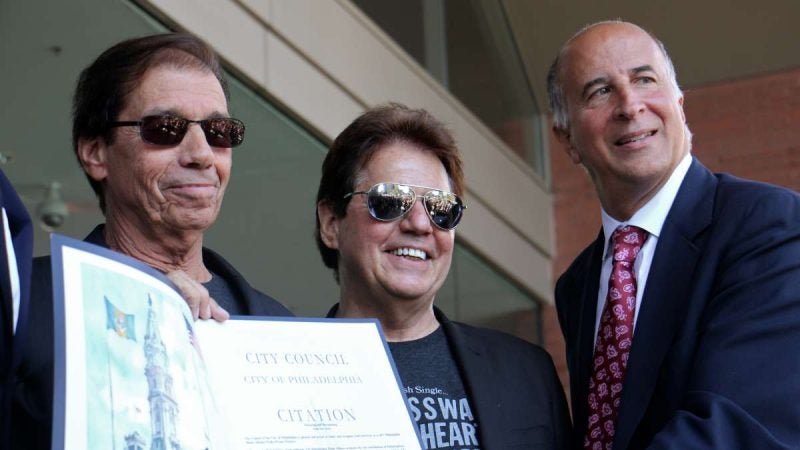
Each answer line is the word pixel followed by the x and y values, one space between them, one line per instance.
pixel 302 88
pixel 233 33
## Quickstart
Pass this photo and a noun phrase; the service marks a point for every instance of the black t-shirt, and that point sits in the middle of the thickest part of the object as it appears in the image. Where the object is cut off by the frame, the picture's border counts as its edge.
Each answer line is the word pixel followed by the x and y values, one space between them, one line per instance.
pixel 435 392
pixel 220 290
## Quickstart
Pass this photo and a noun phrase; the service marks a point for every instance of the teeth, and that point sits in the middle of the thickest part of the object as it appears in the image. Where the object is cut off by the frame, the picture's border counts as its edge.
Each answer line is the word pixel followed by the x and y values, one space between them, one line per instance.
pixel 635 138
pixel 410 252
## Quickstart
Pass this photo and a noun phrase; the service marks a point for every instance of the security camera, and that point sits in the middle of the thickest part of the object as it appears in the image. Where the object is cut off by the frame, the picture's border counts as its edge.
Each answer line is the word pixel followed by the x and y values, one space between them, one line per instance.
pixel 53 217
pixel 52 211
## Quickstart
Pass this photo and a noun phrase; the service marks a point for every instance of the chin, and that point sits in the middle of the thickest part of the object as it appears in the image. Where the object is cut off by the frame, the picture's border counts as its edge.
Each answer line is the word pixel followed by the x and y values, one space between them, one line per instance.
pixel 192 222
pixel 410 290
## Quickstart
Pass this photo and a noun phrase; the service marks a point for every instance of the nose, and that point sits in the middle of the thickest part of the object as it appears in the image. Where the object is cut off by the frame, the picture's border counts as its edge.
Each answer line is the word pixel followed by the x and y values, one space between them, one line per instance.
pixel 195 150
pixel 629 103
pixel 417 221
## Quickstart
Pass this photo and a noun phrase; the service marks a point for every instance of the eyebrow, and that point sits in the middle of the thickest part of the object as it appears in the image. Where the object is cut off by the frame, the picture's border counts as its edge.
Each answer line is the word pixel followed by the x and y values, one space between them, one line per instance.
pixel 174 112
pixel 592 83
pixel 640 69
pixel 602 80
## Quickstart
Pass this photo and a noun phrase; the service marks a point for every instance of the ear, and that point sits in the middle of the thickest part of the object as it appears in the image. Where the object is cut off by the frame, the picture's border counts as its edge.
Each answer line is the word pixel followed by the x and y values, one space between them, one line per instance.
pixel 92 154
pixel 328 225
pixel 563 136
pixel 680 104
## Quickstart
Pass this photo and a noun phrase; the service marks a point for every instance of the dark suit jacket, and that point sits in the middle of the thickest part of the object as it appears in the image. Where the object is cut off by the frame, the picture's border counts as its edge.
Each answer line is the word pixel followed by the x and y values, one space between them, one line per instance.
pixel 33 396
pixel 714 361
pixel 512 387
pixel 19 224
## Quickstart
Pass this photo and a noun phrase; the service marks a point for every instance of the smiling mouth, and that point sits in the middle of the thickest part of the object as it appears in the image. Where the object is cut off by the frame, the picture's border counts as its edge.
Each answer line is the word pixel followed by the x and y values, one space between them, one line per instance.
pixel 410 253
pixel 192 187
pixel 635 137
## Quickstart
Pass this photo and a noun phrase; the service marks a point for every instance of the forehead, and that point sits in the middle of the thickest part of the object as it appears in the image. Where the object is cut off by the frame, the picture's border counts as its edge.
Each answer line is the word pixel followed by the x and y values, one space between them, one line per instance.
pixel 608 50
pixel 190 92
pixel 403 162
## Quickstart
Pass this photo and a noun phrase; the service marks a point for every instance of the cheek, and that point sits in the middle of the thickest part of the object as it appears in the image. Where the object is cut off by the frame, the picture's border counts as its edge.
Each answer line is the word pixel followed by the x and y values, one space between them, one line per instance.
pixel 445 240
pixel 356 237
pixel 591 129
pixel 151 170
pixel 223 166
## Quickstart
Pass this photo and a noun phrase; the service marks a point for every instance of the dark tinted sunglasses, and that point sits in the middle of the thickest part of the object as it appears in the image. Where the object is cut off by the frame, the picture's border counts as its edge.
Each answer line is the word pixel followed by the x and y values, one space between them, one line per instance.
pixel 391 201
pixel 170 130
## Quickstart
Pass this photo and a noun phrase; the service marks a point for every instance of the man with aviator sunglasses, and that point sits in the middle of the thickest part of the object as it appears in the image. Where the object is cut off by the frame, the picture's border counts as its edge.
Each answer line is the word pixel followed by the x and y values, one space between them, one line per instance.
pixel 151 131
pixel 387 208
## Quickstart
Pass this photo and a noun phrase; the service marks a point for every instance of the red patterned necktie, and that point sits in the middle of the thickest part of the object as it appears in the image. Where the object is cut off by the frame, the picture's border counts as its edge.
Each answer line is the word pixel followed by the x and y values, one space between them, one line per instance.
pixel 614 338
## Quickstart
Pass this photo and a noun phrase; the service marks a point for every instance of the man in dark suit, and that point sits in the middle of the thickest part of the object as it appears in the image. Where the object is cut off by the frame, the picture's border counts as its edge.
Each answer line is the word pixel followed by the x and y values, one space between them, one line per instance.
pixel 387 207
pixel 152 132
pixel 682 320
pixel 16 247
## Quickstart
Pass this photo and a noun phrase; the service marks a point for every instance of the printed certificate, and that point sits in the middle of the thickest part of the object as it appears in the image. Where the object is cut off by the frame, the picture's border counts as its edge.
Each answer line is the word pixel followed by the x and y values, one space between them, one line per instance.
pixel 134 371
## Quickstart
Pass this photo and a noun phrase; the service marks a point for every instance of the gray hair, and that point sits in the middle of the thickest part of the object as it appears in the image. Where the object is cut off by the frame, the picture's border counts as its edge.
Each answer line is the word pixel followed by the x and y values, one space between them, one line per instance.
pixel 555 88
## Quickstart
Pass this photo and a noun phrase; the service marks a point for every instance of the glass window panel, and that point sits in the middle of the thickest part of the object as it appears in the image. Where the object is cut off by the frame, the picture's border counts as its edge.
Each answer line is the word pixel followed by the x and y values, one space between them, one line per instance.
pixel 476 293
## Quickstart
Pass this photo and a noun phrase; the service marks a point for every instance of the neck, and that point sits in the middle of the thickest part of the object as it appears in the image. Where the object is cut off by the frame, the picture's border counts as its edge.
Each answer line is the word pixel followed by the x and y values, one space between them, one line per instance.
pixel 622 198
pixel 161 250
pixel 623 208
pixel 401 320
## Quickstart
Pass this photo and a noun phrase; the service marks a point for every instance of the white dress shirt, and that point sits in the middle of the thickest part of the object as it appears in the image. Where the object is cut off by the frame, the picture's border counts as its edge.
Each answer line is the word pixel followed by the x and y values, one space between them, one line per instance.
pixel 12 272
pixel 650 218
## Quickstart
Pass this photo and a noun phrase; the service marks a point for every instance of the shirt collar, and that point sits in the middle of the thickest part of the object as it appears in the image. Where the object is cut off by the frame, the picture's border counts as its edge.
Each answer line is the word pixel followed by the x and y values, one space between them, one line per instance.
pixel 653 214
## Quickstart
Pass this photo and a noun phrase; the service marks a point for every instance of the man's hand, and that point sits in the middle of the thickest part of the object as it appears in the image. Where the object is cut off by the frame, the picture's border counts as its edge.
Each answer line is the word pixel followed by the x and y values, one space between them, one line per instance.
pixel 196 295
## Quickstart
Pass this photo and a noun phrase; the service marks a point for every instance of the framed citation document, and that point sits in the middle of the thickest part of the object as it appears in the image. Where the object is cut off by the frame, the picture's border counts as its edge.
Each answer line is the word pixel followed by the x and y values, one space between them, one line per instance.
pixel 133 371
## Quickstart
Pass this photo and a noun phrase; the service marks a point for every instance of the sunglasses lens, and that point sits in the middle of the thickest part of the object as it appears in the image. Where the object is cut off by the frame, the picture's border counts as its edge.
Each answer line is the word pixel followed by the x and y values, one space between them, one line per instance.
pixel 163 130
pixel 388 201
pixel 223 132
pixel 170 130
pixel 444 208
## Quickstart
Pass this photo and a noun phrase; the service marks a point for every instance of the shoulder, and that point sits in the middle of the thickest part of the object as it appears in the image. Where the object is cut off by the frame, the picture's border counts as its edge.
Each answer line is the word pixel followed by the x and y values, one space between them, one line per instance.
pixel 259 303
pixel 738 195
pixel 268 306
pixel 524 369
pixel 752 213
pixel 579 266
pixel 499 345
pixel 574 279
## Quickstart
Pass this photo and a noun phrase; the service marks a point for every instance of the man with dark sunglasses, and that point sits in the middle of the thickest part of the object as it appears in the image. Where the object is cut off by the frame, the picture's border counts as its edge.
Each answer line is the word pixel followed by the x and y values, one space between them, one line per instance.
pixel 387 208
pixel 152 132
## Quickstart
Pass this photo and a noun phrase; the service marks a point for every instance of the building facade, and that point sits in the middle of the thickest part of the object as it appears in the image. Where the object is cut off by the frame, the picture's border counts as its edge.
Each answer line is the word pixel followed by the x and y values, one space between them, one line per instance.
pixel 299 72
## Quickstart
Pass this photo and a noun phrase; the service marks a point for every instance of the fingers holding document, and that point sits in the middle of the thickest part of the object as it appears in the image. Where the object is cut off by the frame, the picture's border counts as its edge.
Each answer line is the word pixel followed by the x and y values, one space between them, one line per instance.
pixel 197 297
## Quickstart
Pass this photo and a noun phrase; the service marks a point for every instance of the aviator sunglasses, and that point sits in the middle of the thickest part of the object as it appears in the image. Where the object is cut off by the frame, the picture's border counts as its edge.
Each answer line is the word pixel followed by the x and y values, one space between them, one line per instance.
pixel 170 130
pixel 391 201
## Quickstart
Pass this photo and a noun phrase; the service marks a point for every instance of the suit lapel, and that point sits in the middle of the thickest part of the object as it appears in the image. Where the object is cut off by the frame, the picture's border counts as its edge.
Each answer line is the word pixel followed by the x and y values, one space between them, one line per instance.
pixel 582 359
pixel 668 286
pixel 479 382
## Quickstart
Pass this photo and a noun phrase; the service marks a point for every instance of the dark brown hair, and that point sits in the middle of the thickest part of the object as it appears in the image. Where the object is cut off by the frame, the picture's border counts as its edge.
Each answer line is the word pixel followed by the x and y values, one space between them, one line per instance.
pixel 373 130
pixel 103 87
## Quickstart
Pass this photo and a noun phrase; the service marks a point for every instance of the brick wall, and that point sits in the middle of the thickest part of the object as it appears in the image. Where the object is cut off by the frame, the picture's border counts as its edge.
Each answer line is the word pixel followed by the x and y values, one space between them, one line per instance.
pixel 748 127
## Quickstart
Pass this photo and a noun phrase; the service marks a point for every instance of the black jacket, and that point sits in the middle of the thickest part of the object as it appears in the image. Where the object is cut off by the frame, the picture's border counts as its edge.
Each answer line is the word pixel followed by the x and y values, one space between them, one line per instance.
pixel 512 387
